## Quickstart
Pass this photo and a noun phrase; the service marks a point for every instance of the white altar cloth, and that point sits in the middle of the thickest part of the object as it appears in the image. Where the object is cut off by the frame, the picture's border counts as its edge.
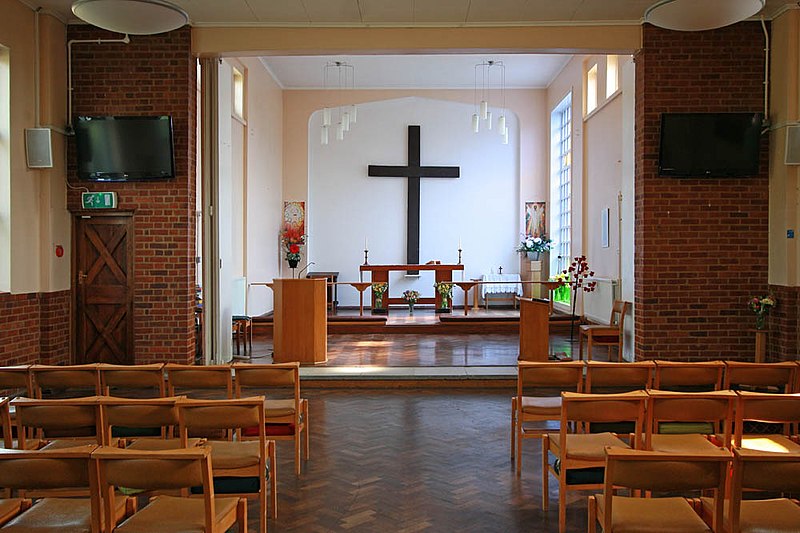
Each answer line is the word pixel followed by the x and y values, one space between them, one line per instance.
pixel 501 288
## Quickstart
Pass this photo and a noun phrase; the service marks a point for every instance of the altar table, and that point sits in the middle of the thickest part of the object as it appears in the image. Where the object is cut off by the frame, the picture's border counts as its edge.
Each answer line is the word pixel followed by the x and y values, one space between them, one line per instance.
pixel 380 273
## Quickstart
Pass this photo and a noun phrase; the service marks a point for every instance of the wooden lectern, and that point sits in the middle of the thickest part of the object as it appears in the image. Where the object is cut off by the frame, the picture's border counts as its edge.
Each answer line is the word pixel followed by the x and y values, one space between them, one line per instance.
pixel 300 325
pixel 534 329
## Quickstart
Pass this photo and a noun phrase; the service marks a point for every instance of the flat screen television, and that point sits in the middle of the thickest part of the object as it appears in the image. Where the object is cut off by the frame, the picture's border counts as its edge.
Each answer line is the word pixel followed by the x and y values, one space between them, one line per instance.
pixel 710 144
pixel 124 148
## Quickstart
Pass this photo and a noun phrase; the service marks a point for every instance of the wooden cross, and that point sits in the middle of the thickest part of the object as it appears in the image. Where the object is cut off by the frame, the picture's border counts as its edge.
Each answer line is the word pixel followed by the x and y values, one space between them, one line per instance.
pixel 413 171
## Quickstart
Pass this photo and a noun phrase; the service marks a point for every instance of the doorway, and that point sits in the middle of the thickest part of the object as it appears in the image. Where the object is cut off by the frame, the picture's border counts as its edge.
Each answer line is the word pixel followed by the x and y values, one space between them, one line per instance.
pixel 103 288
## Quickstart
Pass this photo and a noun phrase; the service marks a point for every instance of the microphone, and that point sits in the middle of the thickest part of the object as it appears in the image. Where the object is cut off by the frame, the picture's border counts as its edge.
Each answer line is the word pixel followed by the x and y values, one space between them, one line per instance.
pixel 305 267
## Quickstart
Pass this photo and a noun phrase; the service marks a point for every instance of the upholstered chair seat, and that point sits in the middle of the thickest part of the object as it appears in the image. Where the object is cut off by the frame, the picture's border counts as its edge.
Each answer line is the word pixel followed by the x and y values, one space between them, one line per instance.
pixel 10 507
pixel 276 408
pixel 155 445
pixel 588 446
pixel 546 405
pixel 762 516
pixel 168 514
pixel 227 455
pixel 770 443
pixel 688 443
pixel 670 515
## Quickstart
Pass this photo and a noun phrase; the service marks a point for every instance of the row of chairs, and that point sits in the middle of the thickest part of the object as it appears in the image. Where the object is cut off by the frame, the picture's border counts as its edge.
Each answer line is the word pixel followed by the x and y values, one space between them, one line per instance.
pixel 286 410
pixel 637 470
pixel 539 384
pixel 97 470
pixel 232 429
pixel 664 421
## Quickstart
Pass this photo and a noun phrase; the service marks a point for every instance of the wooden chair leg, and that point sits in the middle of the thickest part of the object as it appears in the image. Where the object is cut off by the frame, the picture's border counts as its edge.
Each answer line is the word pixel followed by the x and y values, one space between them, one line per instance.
pixel 273 479
pixel 241 515
pixel 519 448
pixel 589 347
pixel 545 473
pixel 513 425
pixel 297 441
pixel 592 525
pixel 306 427
pixel 580 346
pixel 562 500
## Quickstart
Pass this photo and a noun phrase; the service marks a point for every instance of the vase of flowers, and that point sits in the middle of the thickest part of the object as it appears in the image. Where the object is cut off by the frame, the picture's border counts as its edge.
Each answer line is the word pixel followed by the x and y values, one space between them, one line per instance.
pixel 411 298
pixel 291 241
pixel 761 307
pixel 445 291
pixel 379 288
pixel 534 247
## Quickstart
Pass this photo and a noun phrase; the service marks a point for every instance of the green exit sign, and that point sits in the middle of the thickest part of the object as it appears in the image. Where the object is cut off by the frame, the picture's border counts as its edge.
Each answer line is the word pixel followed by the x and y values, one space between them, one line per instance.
pixel 98 200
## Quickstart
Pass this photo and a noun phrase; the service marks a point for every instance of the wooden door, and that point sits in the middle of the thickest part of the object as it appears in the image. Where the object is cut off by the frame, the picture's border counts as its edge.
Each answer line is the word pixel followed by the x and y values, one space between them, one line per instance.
pixel 104 289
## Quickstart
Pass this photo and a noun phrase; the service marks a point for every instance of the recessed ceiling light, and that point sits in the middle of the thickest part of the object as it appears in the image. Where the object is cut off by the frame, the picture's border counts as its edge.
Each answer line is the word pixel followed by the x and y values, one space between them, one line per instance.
pixel 135 17
pixel 698 15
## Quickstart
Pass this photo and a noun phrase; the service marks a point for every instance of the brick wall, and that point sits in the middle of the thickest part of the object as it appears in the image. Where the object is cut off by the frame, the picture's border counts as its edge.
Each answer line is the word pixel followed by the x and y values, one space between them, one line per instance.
pixel 153 75
pixel 34 328
pixel 701 244
pixel 783 324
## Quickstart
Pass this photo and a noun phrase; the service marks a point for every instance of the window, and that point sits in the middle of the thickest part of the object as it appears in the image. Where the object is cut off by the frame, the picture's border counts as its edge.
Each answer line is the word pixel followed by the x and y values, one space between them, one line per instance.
pixel 5 171
pixel 612 75
pixel 238 93
pixel 591 89
pixel 561 184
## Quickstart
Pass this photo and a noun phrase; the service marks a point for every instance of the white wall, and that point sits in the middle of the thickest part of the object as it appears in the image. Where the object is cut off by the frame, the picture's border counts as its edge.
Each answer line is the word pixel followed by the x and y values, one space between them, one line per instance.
pixel 224 214
pixel 482 207
pixel 264 101
pixel 628 203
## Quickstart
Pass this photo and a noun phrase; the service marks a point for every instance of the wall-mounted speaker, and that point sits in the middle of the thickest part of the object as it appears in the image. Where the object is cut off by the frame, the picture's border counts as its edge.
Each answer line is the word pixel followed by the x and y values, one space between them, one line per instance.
pixel 38 148
pixel 793 144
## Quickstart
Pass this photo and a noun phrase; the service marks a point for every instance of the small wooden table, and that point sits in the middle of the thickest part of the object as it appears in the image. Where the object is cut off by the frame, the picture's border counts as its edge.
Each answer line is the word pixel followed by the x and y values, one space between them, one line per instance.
pixel 466 286
pixel 360 286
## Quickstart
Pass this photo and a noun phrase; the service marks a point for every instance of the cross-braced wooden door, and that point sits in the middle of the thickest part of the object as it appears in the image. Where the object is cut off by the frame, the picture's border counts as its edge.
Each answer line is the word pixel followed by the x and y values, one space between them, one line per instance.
pixel 104 289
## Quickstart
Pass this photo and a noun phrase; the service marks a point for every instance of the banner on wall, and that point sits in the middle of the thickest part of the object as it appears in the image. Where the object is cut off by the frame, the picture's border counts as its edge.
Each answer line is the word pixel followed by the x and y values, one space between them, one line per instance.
pixel 535 221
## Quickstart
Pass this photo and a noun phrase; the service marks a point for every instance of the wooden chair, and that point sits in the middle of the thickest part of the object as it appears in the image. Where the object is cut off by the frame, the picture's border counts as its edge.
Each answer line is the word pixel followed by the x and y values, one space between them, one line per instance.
pixel 286 411
pixel 684 422
pixel 186 380
pixel 604 377
pixel 65 381
pixel 15 381
pixel 769 408
pixel 59 423
pixel 5 422
pixel 545 379
pixel 60 471
pixel 581 451
pixel 760 377
pixel 135 380
pixel 143 414
pixel 773 472
pixel 251 460
pixel 683 376
pixel 177 469
pixel 662 472
pixel 601 335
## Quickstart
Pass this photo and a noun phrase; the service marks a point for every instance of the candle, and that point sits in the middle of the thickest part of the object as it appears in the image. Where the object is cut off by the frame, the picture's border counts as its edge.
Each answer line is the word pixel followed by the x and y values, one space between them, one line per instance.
pixel 365 243
pixel 459 243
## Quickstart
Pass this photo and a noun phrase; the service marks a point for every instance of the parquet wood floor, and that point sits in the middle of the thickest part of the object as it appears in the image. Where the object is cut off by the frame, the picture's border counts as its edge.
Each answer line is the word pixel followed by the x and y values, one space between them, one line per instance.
pixel 413 460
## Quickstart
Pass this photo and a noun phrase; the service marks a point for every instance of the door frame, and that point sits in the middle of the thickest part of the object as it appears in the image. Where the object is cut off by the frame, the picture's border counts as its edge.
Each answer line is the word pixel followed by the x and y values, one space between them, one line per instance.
pixel 78 215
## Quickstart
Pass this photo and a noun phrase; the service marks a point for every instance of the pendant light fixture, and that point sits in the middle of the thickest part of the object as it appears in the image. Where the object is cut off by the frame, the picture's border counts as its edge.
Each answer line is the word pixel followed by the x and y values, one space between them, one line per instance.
pixel 134 17
pixel 337 76
pixel 694 15
pixel 490 78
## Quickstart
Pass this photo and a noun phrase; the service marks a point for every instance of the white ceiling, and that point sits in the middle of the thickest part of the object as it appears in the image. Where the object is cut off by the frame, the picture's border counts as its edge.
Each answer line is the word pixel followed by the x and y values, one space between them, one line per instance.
pixel 416 72
pixel 429 71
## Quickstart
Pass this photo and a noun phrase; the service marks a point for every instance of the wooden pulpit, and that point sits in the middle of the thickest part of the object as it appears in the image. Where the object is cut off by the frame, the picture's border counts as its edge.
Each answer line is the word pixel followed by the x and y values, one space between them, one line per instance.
pixel 534 329
pixel 301 321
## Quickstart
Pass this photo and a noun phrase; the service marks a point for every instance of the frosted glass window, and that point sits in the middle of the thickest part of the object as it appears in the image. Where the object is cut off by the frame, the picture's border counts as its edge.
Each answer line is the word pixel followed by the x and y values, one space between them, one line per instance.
pixel 238 93
pixel 591 89
pixel 612 75
pixel 561 184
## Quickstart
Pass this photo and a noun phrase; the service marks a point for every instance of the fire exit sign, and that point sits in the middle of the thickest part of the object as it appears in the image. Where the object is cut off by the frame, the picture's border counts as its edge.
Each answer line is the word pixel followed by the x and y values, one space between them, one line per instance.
pixel 98 200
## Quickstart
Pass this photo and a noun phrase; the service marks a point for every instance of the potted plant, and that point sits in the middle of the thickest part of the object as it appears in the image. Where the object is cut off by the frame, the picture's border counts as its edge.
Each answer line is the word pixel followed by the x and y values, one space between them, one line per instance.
pixel 411 297
pixel 445 290
pixel 578 279
pixel 534 247
pixel 291 241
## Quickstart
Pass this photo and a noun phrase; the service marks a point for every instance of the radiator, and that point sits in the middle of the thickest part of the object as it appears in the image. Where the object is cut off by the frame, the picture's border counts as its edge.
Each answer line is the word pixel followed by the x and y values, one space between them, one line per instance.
pixel 598 303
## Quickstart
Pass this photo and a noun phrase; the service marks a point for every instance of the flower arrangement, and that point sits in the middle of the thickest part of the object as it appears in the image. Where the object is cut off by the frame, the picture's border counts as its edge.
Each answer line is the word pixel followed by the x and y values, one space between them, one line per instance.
pixel 379 288
pixel 578 274
pixel 410 297
pixel 291 241
pixel 761 307
pixel 445 290
pixel 535 244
